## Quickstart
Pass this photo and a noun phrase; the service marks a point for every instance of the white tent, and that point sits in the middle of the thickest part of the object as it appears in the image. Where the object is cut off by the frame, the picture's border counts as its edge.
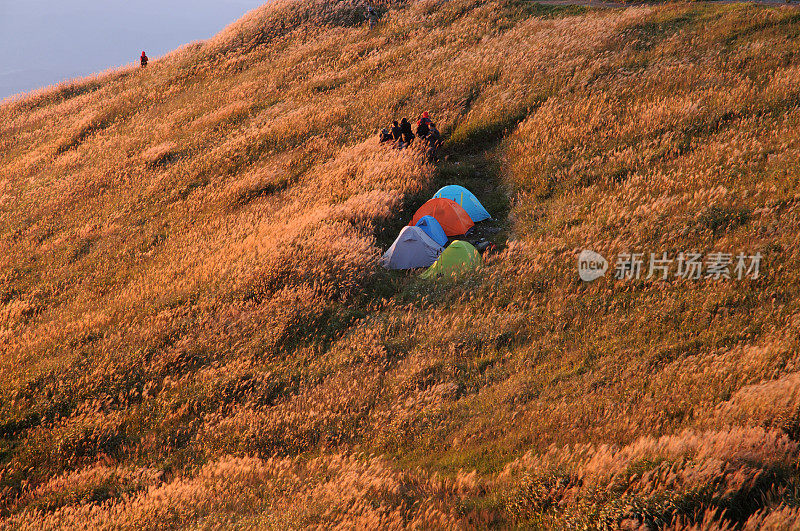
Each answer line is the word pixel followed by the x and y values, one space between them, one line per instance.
pixel 412 248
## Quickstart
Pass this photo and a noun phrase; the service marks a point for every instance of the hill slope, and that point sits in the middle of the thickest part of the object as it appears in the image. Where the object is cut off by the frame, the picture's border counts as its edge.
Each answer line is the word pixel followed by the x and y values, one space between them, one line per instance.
pixel 195 330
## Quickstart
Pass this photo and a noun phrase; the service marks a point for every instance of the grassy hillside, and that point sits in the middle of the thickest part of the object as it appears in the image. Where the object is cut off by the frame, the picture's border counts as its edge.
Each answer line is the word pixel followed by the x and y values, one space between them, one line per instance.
pixel 194 330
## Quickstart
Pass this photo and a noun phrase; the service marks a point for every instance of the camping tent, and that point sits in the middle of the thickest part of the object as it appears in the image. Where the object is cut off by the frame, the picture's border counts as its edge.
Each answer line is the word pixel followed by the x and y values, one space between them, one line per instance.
pixel 453 219
pixel 412 248
pixel 459 256
pixel 466 199
pixel 432 229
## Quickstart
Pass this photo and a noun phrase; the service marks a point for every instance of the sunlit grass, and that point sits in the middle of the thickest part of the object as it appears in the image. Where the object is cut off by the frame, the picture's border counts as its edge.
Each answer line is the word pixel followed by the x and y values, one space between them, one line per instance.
pixel 194 330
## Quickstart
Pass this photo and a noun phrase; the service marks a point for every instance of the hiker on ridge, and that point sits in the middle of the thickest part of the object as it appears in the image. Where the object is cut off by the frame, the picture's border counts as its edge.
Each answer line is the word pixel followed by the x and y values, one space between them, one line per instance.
pixel 433 141
pixel 434 137
pixel 423 124
pixel 396 131
pixel 406 135
pixel 385 135
pixel 144 59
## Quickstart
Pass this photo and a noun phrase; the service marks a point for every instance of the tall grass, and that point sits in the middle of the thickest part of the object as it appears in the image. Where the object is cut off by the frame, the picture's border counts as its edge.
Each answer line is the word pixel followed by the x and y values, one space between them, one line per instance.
pixel 194 330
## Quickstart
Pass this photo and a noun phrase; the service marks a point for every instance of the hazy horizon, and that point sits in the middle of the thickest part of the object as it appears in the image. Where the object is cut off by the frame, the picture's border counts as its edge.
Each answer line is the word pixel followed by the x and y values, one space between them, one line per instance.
pixel 45 42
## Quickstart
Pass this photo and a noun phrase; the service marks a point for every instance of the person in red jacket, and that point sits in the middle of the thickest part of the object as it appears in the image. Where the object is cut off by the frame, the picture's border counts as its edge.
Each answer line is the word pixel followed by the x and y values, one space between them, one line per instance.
pixel 144 59
pixel 423 125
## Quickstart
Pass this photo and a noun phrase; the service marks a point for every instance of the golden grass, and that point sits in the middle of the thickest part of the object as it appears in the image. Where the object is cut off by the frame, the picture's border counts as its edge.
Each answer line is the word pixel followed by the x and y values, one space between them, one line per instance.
pixel 194 330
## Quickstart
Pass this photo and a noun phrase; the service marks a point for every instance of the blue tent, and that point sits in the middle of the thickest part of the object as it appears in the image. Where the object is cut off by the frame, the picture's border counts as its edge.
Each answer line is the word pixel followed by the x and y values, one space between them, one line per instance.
pixel 466 199
pixel 432 228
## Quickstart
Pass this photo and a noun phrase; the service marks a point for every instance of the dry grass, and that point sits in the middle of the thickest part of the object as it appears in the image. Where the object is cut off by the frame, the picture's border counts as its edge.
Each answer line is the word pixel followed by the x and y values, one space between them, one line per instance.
pixel 194 330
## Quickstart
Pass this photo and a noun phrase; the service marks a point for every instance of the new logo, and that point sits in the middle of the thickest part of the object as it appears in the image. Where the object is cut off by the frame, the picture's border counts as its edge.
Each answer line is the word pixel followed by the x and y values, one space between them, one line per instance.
pixel 591 265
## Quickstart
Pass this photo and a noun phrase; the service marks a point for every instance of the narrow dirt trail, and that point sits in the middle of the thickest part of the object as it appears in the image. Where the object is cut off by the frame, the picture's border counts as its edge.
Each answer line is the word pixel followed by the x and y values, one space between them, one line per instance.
pixel 474 164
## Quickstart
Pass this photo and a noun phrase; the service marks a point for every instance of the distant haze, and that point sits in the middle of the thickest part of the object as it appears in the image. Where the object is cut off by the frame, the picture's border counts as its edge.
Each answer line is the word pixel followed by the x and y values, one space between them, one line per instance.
pixel 43 42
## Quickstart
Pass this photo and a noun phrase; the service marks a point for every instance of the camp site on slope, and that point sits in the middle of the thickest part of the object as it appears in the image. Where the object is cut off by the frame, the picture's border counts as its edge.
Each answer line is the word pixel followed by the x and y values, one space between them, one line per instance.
pixel 432 228
pixel 423 242
pixel 454 220
pixel 465 199
pixel 412 248
pixel 459 256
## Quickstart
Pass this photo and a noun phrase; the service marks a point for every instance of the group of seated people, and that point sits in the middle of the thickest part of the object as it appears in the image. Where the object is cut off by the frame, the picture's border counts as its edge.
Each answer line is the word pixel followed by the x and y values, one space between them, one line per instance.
pixel 401 135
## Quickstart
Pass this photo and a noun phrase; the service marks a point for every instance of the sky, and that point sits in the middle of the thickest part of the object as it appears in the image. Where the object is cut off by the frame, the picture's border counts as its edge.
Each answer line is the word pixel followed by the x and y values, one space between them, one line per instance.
pixel 43 42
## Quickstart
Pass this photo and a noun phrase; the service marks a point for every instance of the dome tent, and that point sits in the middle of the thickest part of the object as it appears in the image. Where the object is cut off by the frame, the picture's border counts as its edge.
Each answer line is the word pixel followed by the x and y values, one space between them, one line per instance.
pixel 459 256
pixel 412 248
pixel 466 200
pixel 453 219
pixel 432 229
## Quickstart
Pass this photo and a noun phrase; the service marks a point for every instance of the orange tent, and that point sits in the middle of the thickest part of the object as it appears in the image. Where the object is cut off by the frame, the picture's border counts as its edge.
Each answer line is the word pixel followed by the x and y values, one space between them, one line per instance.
pixel 450 215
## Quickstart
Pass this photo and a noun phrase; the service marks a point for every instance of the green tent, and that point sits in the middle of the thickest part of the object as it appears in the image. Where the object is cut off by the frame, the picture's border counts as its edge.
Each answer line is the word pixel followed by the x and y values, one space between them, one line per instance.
pixel 459 256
